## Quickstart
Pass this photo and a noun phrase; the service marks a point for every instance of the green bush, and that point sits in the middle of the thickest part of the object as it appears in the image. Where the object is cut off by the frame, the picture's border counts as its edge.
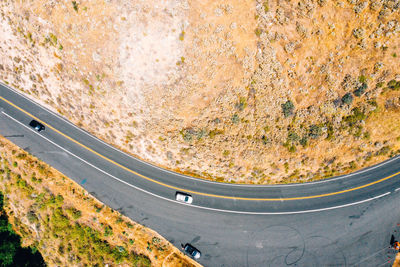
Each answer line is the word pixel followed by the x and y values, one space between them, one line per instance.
pixel 74 213
pixel 108 231
pixel 358 131
pixel 140 260
pixel 242 104
pixel 293 137
pixel 304 141
pixel 286 165
pixel 292 149
pixel 362 79
pixel 53 39
pixel 383 151
pixel 265 140
pixel 22 156
pixel 266 6
pixel 288 108
pixel 356 116
pixel 352 165
pixel 55 202
pixel 32 218
pixel 235 118
pixel 119 253
pixel 361 89
pixel 394 85
pixel 215 132
pixel 347 99
pixel 59 221
pixel 373 102
pixel 21 183
pixel 201 133
pixel 187 134
pixel 90 246
pixel 75 5
pixel 98 208
pixel 315 131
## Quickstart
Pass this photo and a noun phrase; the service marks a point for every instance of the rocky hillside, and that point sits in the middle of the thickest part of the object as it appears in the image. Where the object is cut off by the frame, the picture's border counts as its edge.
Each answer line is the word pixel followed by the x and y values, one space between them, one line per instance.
pixel 237 91
pixel 68 226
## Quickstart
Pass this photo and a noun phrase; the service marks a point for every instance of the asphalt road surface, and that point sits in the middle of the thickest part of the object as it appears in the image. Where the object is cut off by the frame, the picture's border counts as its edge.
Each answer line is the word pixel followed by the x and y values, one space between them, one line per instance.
pixel 343 221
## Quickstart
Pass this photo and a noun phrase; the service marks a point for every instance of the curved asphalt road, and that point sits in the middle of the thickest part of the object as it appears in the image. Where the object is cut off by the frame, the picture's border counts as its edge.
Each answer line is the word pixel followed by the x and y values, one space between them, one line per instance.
pixel 343 221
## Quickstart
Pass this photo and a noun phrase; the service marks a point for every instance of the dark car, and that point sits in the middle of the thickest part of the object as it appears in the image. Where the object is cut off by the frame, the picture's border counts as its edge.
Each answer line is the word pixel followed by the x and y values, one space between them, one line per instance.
pixel 192 251
pixel 37 125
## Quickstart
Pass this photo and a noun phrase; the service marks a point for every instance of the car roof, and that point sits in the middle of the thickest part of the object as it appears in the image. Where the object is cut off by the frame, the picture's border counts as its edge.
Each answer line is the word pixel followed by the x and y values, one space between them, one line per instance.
pixel 182 194
pixel 190 247
pixel 35 122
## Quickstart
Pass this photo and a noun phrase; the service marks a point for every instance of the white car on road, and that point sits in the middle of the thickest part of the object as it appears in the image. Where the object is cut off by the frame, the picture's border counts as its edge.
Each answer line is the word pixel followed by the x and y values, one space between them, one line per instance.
pixel 182 197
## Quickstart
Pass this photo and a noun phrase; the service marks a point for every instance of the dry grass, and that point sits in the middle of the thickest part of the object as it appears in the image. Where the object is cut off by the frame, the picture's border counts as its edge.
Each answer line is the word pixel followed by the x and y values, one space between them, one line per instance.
pixel 396 263
pixel 198 86
pixel 24 177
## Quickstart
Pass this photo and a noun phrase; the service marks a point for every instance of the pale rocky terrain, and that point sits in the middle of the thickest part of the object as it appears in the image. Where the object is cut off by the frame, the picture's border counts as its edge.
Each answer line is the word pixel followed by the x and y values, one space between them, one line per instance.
pixel 234 91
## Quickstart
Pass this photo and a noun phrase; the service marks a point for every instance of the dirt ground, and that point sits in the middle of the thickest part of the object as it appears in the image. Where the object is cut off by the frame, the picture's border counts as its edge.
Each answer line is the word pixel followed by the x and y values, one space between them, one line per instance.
pixel 236 91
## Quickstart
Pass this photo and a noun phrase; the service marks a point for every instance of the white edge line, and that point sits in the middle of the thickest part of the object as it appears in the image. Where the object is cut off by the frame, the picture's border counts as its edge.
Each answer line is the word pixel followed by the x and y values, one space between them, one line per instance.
pixel 199 207
pixel 294 212
pixel 189 177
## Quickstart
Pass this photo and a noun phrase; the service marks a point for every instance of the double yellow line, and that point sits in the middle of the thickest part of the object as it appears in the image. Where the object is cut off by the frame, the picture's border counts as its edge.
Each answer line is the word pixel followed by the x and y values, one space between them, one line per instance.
pixel 191 191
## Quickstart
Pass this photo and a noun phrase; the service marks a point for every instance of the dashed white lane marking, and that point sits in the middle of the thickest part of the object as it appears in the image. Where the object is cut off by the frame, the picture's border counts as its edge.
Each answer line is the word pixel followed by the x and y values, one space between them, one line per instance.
pixel 189 205
pixel 397 189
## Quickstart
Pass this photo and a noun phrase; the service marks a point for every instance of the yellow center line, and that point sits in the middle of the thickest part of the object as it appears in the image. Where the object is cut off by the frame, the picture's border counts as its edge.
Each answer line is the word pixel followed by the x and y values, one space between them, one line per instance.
pixel 191 191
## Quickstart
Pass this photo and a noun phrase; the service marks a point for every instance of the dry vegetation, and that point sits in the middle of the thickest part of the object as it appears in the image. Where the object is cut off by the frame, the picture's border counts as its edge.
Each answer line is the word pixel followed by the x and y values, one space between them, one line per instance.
pixel 237 91
pixel 396 263
pixel 67 225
